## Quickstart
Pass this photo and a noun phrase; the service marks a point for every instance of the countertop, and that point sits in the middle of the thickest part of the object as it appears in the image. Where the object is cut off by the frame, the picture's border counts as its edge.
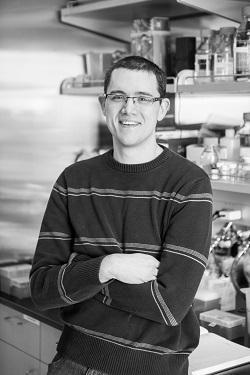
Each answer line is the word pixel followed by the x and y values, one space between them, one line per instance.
pixel 26 306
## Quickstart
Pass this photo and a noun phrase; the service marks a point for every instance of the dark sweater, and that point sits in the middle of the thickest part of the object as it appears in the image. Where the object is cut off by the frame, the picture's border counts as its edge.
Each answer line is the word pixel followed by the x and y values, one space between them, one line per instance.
pixel 98 207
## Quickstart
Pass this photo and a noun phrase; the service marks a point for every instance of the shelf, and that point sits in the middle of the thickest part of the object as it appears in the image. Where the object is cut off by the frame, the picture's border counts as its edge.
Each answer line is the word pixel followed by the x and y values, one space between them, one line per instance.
pixel 90 90
pixel 230 9
pixel 113 18
pixel 211 87
pixel 216 87
pixel 234 187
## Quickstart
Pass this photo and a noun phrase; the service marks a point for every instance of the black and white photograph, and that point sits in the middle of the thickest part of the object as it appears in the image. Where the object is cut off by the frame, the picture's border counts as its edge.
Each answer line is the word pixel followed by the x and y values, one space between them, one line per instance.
pixel 125 187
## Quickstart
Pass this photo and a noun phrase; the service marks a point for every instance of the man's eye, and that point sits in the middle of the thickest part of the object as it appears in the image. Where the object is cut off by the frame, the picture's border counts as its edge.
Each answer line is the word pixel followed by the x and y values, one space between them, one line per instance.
pixel 144 99
pixel 117 98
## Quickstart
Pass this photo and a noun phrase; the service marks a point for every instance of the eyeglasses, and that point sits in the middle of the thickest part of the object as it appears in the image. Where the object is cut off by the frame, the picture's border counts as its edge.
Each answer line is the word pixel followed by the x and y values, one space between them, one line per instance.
pixel 141 100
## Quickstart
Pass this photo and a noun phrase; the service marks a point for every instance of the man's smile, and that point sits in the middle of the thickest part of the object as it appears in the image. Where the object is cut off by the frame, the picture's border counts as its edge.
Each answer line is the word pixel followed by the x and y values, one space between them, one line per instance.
pixel 129 123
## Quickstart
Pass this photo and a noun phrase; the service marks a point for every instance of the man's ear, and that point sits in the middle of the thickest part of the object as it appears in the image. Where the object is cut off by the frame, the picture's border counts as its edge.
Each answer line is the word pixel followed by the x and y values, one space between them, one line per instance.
pixel 102 100
pixel 164 107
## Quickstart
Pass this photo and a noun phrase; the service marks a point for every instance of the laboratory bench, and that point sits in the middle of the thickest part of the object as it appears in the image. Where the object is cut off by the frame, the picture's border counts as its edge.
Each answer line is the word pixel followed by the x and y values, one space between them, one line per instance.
pixel 28 339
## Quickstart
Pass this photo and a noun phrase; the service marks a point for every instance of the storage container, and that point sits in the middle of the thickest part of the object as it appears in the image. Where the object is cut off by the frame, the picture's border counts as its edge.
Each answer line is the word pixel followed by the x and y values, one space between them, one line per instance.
pixel 228 325
pixel 206 300
pixel 14 280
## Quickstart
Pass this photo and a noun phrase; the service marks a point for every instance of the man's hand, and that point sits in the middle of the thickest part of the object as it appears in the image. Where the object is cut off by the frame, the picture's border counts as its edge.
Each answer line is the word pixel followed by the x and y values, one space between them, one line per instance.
pixel 133 268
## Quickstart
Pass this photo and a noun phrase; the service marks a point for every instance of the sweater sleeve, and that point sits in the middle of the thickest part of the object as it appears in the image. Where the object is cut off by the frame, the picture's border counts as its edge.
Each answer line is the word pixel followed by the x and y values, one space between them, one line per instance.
pixel 183 260
pixel 59 276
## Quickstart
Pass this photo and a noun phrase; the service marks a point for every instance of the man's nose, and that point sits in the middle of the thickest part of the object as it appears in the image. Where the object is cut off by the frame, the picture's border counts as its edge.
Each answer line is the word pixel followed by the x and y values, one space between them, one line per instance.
pixel 129 105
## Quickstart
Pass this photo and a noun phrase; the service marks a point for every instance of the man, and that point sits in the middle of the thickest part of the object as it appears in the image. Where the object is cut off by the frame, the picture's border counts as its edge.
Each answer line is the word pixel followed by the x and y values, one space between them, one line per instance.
pixel 124 242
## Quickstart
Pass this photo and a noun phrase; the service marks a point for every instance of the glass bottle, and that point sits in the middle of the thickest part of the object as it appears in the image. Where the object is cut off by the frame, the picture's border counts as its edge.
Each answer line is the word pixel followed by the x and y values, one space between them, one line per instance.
pixel 150 38
pixel 203 57
pixel 209 158
pixel 223 59
pixel 244 132
pixel 242 46
pixel 232 143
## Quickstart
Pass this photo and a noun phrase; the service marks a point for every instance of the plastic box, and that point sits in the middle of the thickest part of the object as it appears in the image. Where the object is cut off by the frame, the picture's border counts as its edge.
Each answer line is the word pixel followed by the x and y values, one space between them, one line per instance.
pixel 14 280
pixel 228 325
pixel 206 300
pixel 16 286
pixel 15 270
pixel 20 287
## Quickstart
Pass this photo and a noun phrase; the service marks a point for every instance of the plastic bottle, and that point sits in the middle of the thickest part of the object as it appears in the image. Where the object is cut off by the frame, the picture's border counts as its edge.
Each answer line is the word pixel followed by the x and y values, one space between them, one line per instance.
pixel 242 46
pixel 203 57
pixel 223 59
pixel 232 144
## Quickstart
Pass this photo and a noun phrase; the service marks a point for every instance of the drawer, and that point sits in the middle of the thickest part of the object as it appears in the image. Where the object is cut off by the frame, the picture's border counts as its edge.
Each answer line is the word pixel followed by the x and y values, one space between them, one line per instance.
pixel 49 339
pixel 20 330
pixel 43 369
pixel 15 362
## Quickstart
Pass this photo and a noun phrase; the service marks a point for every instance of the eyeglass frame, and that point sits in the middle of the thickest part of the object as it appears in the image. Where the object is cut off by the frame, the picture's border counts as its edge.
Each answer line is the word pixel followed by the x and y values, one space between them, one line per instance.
pixel 126 97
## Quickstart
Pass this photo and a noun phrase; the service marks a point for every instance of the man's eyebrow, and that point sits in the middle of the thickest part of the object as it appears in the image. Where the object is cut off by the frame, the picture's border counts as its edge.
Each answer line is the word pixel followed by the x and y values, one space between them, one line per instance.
pixel 136 93
pixel 144 93
pixel 117 92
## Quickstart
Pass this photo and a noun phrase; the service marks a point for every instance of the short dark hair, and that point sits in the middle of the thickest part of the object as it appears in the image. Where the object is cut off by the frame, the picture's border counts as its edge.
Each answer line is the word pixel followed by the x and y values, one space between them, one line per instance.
pixel 138 63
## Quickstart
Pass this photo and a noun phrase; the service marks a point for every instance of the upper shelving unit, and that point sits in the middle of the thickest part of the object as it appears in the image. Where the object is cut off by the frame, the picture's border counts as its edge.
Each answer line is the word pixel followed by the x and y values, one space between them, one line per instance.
pixel 113 18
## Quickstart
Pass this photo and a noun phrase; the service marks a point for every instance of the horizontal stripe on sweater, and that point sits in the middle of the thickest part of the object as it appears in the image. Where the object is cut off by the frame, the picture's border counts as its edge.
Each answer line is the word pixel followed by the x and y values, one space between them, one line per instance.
pixel 154 194
pixel 128 247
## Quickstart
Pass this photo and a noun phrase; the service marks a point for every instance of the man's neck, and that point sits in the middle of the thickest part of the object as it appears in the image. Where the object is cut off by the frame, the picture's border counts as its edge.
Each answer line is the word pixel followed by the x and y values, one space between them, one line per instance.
pixel 136 155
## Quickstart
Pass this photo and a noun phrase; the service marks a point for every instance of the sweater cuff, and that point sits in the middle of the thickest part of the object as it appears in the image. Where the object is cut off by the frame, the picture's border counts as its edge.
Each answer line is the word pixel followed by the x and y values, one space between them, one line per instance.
pixel 82 281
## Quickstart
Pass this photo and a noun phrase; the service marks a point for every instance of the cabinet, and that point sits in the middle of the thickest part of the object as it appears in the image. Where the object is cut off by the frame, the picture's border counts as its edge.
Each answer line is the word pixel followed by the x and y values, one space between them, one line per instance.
pixel 49 338
pixel 15 362
pixel 19 343
pixel 26 344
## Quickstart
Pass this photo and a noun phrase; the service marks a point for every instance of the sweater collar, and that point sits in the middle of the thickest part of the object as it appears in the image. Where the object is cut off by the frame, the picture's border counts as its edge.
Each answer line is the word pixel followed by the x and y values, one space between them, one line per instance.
pixel 137 168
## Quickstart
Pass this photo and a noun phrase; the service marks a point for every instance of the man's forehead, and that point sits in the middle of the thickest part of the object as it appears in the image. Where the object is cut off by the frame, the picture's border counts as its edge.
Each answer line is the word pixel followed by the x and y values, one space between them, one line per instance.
pixel 137 72
pixel 135 80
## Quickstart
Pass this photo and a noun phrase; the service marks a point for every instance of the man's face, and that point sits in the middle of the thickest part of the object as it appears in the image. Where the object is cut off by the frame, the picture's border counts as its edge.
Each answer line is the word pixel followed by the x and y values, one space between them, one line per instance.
pixel 131 123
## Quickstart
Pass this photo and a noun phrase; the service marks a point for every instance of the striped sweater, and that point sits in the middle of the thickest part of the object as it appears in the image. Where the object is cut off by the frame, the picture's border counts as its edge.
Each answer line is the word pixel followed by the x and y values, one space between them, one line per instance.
pixel 98 207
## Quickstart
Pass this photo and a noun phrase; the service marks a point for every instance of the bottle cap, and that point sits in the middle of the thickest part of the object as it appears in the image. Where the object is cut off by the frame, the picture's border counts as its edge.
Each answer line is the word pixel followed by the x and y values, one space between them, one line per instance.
pixel 159 23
